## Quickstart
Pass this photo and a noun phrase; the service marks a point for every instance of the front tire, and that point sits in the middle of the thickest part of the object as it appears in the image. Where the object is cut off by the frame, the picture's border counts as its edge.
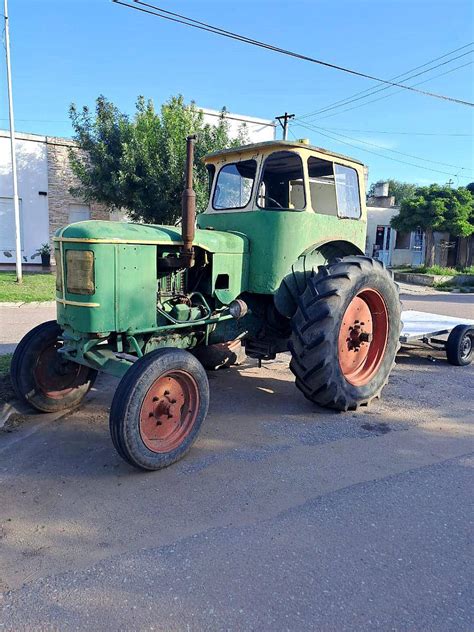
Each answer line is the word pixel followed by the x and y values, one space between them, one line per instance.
pixel 158 408
pixel 41 377
pixel 345 333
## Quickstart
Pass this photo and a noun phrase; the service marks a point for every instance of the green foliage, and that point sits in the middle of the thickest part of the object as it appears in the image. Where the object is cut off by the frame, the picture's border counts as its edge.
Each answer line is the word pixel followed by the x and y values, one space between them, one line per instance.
pixel 137 164
pixel 401 190
pixel 5 360
pixel 35 287
pixel 437 208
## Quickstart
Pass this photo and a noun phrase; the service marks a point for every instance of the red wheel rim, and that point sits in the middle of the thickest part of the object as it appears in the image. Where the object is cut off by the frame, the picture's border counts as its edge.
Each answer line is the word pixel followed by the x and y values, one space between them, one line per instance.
pixel 363 337
pixel 55 376
pixel 168 411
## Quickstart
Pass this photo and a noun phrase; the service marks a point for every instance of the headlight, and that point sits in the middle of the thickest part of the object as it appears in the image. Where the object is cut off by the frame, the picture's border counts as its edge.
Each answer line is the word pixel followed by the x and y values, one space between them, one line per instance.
pixel 80 271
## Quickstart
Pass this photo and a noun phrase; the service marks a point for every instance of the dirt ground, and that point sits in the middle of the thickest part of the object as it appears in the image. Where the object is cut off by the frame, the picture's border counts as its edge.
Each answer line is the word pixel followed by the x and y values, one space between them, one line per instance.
pixel 283 516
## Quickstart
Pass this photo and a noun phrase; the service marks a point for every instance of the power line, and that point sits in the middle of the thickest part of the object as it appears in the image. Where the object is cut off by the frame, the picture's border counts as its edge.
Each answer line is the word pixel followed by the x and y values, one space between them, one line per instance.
pixel 182 19
pixel 401 153
pixel 372 90
pixel 387 96
pixel 396 133
pixel 349 100
pixel 375 153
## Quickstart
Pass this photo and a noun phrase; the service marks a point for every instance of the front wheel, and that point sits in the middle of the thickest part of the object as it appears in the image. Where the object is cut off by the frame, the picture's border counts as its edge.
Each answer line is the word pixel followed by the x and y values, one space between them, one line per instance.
pixel 42 377
pixel 345 333
pixel 158 408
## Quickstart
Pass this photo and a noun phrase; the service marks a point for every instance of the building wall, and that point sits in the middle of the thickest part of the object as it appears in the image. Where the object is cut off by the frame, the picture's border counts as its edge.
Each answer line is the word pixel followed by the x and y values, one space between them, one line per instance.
pixel 33 188
pixel 258 130
pixel 381 216
pixel 63 206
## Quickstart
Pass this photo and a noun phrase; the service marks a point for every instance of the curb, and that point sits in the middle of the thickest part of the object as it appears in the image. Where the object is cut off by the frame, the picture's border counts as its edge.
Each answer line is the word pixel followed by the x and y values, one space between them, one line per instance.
pixel 15 407
pixel 23 304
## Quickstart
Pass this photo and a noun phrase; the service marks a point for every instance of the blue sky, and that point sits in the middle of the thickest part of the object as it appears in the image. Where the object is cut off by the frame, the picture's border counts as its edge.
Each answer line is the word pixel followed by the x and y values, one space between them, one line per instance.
pixel 74 50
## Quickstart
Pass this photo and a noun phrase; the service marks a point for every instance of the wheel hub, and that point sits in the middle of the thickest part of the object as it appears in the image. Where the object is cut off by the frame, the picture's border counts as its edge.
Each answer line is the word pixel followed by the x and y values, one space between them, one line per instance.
pixel 363 337
pixel 55 376
pixel 168 411
pixel 466 346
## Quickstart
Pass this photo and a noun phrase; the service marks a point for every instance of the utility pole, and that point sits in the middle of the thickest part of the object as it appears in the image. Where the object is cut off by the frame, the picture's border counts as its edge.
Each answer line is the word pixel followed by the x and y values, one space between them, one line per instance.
pixel 16 201
pixel 285 117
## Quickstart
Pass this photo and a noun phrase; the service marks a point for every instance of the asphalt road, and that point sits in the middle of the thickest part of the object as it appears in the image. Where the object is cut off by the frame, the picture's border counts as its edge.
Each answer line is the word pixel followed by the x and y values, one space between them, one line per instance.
pixel 282 517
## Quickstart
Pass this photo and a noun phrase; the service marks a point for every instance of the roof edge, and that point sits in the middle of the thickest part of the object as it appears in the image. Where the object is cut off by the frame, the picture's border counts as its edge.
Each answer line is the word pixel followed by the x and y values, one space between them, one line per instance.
pixel 279 143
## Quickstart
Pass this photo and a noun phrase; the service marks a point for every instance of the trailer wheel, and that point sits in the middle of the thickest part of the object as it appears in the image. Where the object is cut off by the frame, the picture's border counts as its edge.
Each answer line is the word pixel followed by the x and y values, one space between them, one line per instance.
pixel 460 345
pixel 345 333
pixel 44 379
pixel 158 408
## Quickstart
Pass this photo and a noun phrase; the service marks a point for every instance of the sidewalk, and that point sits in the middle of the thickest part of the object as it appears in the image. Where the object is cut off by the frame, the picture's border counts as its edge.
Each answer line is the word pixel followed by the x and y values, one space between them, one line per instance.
pixel 17 320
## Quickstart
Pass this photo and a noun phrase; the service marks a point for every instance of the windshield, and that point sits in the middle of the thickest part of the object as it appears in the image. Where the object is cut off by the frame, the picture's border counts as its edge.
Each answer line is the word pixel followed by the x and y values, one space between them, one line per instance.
pixel 234 185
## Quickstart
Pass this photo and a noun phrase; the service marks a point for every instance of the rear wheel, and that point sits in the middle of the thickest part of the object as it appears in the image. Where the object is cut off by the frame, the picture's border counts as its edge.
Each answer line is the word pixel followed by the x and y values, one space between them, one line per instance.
pixel 345 333
pixel 42 377
pixel 158 408
pixel 460 345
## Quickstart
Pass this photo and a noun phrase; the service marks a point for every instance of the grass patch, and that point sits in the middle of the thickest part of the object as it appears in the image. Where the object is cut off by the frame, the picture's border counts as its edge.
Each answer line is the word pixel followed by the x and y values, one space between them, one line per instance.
pixel 440 270
pixel 6 390
pixel 5 361
pixel 35 287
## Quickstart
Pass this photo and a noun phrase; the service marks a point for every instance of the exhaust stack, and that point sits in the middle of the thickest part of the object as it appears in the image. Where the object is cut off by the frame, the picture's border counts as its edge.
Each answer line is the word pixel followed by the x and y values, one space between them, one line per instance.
pixel 189 206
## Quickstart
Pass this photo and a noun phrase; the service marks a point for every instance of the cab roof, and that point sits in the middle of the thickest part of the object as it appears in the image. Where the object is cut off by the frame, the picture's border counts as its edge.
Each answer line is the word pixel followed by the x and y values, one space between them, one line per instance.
pixel 277 144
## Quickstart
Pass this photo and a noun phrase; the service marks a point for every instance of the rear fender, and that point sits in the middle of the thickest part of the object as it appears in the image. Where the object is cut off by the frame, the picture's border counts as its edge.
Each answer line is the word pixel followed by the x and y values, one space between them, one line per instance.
pixel 294 283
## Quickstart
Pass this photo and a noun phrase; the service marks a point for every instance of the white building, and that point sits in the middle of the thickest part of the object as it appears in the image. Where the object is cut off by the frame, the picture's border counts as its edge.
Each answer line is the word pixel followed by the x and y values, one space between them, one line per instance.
pixel 33 190
pixel 258 130
pixel 383 241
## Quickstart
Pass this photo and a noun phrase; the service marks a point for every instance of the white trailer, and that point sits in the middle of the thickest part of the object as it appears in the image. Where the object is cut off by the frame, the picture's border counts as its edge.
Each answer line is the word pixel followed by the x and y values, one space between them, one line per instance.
pixel 454 335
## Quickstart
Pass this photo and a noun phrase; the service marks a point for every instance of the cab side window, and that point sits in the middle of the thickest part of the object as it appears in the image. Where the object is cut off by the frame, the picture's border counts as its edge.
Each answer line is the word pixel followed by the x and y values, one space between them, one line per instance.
pixel 282 182
pixel 347 189
pixel 334 189
pixel 322 186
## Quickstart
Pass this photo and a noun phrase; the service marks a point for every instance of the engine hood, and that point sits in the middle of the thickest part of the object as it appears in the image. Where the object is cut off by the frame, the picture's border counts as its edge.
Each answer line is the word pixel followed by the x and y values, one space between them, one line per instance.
pixel 97 231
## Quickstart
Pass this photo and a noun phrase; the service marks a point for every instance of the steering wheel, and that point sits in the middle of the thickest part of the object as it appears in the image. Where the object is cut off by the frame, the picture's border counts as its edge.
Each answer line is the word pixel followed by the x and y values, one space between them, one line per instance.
pixel 277 204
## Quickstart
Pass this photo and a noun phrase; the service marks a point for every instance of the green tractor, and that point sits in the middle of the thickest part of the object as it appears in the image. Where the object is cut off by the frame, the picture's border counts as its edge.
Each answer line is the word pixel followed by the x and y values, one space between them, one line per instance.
pixel 275 264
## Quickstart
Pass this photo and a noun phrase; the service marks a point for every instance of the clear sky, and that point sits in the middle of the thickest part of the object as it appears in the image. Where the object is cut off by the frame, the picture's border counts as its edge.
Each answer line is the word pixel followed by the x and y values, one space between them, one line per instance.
pixel 67 51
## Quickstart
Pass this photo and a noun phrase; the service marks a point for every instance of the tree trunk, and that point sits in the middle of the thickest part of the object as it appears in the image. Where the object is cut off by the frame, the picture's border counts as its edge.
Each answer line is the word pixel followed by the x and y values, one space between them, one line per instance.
pixel 429 248
pixel 465 252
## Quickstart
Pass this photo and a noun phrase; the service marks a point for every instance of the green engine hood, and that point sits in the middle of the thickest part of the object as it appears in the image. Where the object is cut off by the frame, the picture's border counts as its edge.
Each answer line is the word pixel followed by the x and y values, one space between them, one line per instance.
pixel 95 231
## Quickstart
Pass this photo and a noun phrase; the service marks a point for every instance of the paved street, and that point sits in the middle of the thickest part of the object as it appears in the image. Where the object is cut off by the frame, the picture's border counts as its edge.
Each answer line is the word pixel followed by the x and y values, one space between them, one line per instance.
pixel 283 516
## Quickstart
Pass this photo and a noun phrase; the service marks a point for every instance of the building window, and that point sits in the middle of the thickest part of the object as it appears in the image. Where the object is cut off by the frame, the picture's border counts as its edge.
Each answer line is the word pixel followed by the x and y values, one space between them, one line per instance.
pixel 347 190
pixel 79 213
pixel 282 182
pixel 402 241
pixel 234 185
pixel 322 186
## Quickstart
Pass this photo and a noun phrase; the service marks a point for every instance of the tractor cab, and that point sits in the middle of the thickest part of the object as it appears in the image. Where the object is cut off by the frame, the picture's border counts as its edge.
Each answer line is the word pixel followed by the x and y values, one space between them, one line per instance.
pixel 283 175
pixel 291 200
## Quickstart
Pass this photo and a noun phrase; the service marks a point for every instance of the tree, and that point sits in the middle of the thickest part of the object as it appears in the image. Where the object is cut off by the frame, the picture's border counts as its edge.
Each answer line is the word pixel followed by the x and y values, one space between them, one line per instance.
pixel 436 208
pixel 138 163
pixel 401 190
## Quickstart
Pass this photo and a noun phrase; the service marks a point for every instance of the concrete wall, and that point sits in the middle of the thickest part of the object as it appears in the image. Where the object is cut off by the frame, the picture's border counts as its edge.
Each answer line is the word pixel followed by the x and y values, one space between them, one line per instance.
pixel 32 183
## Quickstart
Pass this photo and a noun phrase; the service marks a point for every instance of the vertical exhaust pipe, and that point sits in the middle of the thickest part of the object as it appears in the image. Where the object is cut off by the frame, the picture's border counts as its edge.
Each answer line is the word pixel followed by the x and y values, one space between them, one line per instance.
pixel 189 205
